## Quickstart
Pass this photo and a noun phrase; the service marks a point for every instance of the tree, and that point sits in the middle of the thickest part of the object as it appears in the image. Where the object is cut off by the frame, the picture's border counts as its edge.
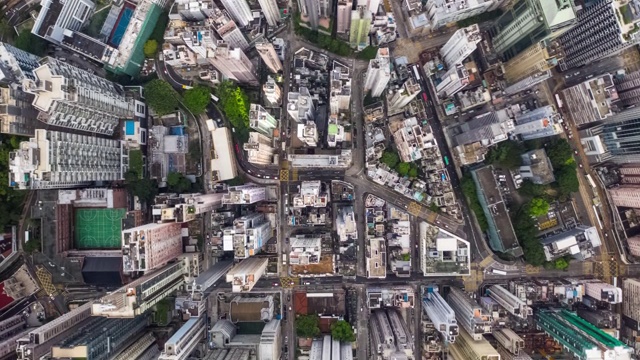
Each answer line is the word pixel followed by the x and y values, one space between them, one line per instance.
pixel 161 97
pixel 538 207
pixel 307 326
pixel 413 172
pixel 342 331
pixel 390 158
pixel 469 191
pixel 530 189
pixel 150 48
pixel 178 182
pixel 434 207
pixel 368 53
pixel 506 154
pixel 560 153
pixel 6 30
pixel 234 103
pixel 567 179
pixel 561 263
pixel 197 98
pixel 30 43
pixel 145 188
pixel 403 168
pixel 527 232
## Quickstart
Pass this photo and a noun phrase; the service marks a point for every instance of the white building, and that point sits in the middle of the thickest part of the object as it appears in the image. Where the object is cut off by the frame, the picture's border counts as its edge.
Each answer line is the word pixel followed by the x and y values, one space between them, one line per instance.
pixel 304 250
pixel 223 164
pixel 69 97
pixel 454 80
pixel 268 54
pixel 509 340
pixel 343 15
pixel 578 242
pixel 631 301
pixel 461 44
pixel 346 224
pixel 184 341
pixel 399 98
pixel 272 93
pixel 470 315
pixel 602 291
pixel 441 249
pixel 300 105
pixel 443 12
pixel 311 195
pixel 246 274
pixel 340 88
pixel 54 159
pixel 510 302
pixel 151 246
pixel 239 11
pixel 378 73
pixel 261 121
pixel 244 194
pixel 411 140
pixel 57 17
pixel 270 11
pixel 335 132
pixel 441 314
pixel 259 149
pixel 308 133
pixel 466 347
pixel 191 10
pixel 341 160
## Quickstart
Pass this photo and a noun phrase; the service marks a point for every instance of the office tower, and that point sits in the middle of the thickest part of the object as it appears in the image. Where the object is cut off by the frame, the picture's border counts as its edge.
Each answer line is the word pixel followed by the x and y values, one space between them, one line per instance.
pixel 300 105
pixel 54 159
pixel 508 339
pixel 269 56
pixel 259 149
pixel 343 14
pixel 537 123
pixel 239 11
pixel 454 80
pixel 261 121
pixel 233 63
pixel 67 96
pixel 529 22
pixel 443 12
pixel 378 73
pixel 399 98
pixel 228 30
pixel 140 295
pixel 536 59
pixel 466 348
pixel 184 341
pixel 56 17
pixel 150 246
pixel 244 276
pixel 579 337
pixel 244 194
pixel 16 64
pixel 616 140
pixel 510 302
pixel 99 338
pixel 469 314
pixel 600 32
pixel 340 88
pixel 631 302
pixel 627 88
pixel 441 314
pixel 461 44
pixel 270 11
pixel 592 100
pixel 359 29
pixel 272 93
pixel 602 291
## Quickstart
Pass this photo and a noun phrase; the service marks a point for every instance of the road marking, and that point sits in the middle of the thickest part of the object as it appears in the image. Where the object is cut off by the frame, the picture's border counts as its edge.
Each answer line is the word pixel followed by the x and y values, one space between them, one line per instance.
pixel 294 176
pixel 284 175
pixel 530 269
pixel 414 208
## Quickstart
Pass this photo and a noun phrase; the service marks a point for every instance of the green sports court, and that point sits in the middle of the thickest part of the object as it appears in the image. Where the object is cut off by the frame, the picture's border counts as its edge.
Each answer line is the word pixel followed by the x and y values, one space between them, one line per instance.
pixel 98 228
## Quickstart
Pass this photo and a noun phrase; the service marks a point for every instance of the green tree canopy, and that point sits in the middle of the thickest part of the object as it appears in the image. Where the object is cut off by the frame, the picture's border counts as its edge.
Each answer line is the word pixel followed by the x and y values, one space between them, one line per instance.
pixel 538 207
pixel 530 189
pixel 144 188
pixel 560 153
pixel 150 48
pixel 469 190
pixel 11 201
pixel 506 153
pixel 561 263
pixel 235 105
pixel 30 43
pixel 178 182
pixel 390 158
pixel 567 179
pixel 160 96
pixel 342 331
pixel 413 172
pixel 197 98
pixel 403 168
pixel 307 326
pixel 527 233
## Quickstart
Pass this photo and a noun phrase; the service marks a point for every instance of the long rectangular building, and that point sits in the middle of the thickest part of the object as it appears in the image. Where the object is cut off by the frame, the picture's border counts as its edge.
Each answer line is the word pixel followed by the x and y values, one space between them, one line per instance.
pixel 441 314
pixel 150 246
pixel 466 348
pixel 510 302
pixel 469 314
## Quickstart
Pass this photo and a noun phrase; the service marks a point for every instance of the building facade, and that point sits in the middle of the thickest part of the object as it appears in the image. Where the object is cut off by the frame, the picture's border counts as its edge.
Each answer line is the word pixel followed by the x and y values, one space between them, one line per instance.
pixel 343 15
pixel 378 73
pixel 151 246
pixel 261 121
pixel 269 56
pixel 239 11
pixel 271 11
pixel 443 12
pixel 259 149
pixel 461 44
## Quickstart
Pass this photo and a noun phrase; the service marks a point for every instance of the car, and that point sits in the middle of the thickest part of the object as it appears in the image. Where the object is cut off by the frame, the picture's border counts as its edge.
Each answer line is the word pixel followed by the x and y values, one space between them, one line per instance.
pixel 289 308
pixel 575 152
pixel 361 309
pixel 288 297
pixel 237 148
pixel 286 339
pixel 267 177
pixel 581 166
pixel 276 284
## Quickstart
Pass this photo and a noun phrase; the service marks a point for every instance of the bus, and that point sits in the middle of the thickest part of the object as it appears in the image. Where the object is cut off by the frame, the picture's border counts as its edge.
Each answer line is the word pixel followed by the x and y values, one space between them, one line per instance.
pixel 446 161
pixel 590 179
pixel 214 98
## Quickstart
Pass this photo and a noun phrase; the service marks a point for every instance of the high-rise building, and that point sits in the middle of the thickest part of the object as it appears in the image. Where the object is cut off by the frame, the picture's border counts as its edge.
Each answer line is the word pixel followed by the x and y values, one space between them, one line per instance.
pixel 261 121
pixel 443 12
pixel 579 337
pixel 244 276
pixel 228 30
pixel 308 133
pixel 461 44
pixel 529 22
pixel 454 80
pixel 343 14
pixel 633 243
pixel 150 246
pixel 190 10
pixel 488 128
pixel 441 314
pixel 340 88
pixel 247 236
pixel 626 196
pixel 271 11
pixel 272 93
pixel 536 59
pixel 509 340
pixel 592 100
pixel 310 11
pixel 389 335
pixel 233 63
pixel 57 17
pixel 69 97
pixel 600 32
pixel 399 98
pixel 182 343
pixel 17 115
pixel 467 348
pixel 602 291
pixel 378 73
pixel 239 11
pixel 510 302
pixel 16 64
pixel 244 194
pixel 269 56
pixel 628 88
pixel 300 105
pixel 469 314
pixel 54 159
pixel 259 149
pixel 537 123
pixel 631 302
pixel 615 140
pixel 359 28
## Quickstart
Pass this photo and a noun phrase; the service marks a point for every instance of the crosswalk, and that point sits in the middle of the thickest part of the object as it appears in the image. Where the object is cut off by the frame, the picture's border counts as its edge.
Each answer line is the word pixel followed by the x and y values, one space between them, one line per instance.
pixel 414 208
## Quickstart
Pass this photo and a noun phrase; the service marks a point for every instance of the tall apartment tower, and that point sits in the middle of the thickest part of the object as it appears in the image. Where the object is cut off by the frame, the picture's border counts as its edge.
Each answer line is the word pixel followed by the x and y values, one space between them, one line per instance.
pixel 510 302
pixel 269 56
pixel 54 159
pixel 71 15
pixel 310 10
pixel 272 93
pixel 239 11
pixel 228 30
pixel 259 149
pixel 378 73
pixel 443 12
pixel 360 26
pixel 454 80
pixel 509 340
pixel 529 22
pixel 615 140
pixel 599 33
pixel 343 13
pixel 536 59
pixel 602 291
pixel 631 302
pixel 233 63
pixel 69 97
pixel 270 11
pixel 261 121
pixel 441 314
pixel 626 196
pixel 340 88
pixel 461 44
pixel 401 97
pixel 151 246
pixel 469 314
pixel 16 64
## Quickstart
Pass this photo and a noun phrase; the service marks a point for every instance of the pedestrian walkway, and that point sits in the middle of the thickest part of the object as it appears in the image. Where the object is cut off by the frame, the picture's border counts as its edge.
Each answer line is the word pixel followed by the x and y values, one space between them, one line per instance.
pixel 475 278
pixel 45 280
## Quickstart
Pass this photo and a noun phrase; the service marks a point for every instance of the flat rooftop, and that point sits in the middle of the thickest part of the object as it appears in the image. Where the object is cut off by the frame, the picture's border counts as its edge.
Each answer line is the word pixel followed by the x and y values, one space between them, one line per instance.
pixel 98 228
